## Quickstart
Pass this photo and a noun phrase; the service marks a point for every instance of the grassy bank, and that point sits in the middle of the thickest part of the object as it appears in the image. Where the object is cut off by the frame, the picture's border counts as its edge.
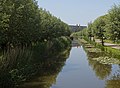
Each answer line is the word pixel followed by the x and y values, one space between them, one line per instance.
pixel 20 64
pixel 108 50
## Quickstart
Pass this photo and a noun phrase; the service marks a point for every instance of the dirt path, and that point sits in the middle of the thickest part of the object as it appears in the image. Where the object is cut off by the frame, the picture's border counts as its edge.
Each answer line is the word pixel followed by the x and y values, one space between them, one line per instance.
pixel 116 46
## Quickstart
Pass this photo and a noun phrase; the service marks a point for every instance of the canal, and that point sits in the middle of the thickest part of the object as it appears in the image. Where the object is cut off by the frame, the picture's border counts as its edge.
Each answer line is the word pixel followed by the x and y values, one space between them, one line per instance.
pixel 79 71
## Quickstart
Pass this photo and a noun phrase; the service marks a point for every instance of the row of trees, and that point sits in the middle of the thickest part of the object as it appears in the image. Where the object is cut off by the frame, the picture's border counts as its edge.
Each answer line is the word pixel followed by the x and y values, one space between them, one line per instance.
pixel 105 27
pixel 23 23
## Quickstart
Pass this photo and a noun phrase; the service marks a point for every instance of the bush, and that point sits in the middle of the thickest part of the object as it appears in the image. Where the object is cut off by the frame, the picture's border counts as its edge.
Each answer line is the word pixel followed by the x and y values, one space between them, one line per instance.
pixel 61 43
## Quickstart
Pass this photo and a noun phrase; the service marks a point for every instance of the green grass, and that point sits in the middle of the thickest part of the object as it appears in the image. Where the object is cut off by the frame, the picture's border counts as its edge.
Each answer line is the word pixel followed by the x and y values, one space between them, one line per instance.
pixel 113 52
pixel 110 41
pixel 108 50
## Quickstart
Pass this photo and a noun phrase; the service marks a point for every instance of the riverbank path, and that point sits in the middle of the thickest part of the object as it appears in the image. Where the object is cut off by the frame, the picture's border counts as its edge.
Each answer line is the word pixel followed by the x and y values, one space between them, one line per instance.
pixel 115 46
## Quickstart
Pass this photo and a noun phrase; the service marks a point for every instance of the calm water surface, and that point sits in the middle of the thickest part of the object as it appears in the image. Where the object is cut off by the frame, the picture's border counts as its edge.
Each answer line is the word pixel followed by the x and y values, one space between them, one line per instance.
pixel 80 72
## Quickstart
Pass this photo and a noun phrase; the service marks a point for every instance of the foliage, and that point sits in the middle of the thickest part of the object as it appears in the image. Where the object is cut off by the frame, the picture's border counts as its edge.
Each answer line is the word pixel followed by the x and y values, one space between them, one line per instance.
pixel 60 43
pixel 29 36
pixel 113 52
pixel 20 64
pixel 113 24
pixel 22 23
pixel 89 30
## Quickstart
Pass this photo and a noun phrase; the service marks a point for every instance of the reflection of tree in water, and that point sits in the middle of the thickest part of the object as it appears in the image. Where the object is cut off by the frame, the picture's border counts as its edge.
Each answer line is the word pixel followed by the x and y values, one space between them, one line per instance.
pixel 95 54
pixel 41 82
pixel 101 70
pixel 114 81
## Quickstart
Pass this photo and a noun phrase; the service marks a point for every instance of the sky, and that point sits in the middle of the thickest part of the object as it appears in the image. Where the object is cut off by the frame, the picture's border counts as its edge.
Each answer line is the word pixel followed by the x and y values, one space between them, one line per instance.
pixel 77 11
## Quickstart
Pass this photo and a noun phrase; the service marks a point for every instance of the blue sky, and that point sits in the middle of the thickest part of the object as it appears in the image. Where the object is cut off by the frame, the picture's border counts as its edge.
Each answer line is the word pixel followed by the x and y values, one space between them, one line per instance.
pixel 77 11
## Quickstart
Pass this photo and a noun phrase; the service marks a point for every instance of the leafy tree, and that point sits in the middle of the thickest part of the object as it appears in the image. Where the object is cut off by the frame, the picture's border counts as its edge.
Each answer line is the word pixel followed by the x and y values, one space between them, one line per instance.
pixel 113 25
pixel 99 28
pixel 22 23
pixel 90 30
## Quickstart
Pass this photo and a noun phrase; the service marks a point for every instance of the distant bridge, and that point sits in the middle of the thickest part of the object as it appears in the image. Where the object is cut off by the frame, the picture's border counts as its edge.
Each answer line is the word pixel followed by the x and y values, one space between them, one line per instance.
pixel 76 28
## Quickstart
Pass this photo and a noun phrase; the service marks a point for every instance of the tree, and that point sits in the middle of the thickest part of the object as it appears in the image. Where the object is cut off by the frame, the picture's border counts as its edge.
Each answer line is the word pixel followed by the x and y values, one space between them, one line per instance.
pixel 113 25
pixel 99 28
pixel 90 32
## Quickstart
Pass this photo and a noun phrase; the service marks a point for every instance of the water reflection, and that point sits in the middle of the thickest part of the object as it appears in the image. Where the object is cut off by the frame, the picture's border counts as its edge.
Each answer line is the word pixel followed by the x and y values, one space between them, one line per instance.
pixel 76 73
pixel 102 71
pixel 75 43
pixel 107 72
pixel 114 80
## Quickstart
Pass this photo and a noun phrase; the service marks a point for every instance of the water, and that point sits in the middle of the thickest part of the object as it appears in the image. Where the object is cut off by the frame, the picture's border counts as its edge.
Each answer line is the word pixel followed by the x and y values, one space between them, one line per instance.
pixel 75 69
pixel 80 72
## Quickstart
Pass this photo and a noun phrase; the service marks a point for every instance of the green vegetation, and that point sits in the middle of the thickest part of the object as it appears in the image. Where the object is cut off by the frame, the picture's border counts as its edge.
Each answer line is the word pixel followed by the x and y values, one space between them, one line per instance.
pixel 31 39
pixel 113 52
pixel 20 65
pixel 22 23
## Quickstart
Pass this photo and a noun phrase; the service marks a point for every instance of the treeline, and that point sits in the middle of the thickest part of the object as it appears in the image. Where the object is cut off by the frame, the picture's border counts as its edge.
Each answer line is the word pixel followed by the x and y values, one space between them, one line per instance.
pixel 105 27
pixel 23 23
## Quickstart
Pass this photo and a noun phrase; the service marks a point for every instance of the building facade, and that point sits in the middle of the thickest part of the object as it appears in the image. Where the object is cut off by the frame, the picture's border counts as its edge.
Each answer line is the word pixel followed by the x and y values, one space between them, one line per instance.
pixel 76 28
